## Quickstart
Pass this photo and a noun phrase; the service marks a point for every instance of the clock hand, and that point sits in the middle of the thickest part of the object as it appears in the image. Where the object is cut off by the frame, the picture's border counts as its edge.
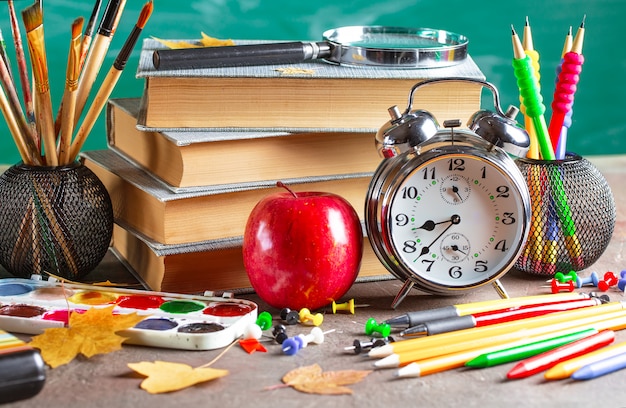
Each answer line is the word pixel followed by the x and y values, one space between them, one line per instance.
pixel 455 190
pixel 456 248
pixel 430 225
pixel 455 219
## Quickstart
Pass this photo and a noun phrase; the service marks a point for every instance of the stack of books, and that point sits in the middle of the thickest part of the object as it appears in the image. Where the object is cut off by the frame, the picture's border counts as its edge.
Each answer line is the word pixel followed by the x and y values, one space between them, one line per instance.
pixel 187 161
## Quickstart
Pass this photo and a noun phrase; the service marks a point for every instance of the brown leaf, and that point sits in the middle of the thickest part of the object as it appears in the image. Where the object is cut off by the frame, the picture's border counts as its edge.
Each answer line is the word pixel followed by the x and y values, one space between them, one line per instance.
pixel 205 41
pixel 312 380
pixel 167 377
pixel 89 333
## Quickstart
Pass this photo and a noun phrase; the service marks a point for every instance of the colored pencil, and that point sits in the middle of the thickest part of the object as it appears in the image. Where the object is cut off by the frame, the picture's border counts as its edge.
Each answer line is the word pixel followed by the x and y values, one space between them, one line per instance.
pixel 567 368
pixel 531 96
pixel 110 80
pixel 33 21
pixel 561 146
pixel 68 104
pixel 529 49
pixel 546 323
pixel 566 85
pixel 543 361
pixel 95 57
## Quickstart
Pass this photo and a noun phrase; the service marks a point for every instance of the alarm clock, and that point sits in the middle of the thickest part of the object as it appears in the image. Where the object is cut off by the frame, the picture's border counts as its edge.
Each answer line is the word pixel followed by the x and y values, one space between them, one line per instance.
pixel 448 210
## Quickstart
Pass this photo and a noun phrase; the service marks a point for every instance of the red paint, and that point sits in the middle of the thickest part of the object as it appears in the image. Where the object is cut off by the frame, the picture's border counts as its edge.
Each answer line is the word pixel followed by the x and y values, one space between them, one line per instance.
pixel 227 309
pixel 21 310
pixel 61 315
pixel 140 302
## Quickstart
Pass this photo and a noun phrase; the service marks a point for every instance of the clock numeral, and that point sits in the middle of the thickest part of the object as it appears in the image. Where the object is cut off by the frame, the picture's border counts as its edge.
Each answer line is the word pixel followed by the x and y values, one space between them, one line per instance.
pixel 508 218
pixel 432 173
pixel 483 172
pixel 457 164
pixel 503 191
pixel 402 220
pixel 455 272
pixel 409 247
pixel 409 192
pixel 501 246
pixel 428 262
pixel 481 266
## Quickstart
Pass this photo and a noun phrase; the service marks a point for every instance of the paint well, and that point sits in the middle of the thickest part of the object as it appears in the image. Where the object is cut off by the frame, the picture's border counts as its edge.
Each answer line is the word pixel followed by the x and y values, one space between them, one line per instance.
pixel 21 310
pixel 201 328
pixel 14 289
pixel 227 309
pixel 51 293
pixel 181 306
pixel 140 302
pixel 156 324
pixel 93 298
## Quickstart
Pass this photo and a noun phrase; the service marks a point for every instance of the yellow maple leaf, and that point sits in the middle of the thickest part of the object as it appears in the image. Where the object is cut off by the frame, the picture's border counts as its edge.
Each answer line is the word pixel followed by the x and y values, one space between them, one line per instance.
pixel 312 380
pixel 164 376
pixel 205 41
pixel 89 333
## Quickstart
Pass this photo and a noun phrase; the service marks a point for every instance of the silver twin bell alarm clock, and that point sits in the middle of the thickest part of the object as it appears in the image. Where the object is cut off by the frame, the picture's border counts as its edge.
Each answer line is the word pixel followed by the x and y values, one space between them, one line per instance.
pixel 447 209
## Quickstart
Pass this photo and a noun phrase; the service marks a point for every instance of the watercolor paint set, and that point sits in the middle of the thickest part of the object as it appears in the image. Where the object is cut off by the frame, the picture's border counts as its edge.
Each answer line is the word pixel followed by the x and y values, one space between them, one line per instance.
pixel 177 321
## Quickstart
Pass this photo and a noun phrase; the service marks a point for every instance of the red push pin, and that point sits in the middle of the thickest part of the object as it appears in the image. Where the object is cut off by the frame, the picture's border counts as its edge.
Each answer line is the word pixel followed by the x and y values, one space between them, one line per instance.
pixel 610 280
pixel 562 287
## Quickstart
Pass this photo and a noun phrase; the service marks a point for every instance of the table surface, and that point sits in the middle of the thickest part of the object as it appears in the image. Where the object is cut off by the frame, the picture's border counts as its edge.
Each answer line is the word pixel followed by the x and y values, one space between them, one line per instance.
pixel 106 380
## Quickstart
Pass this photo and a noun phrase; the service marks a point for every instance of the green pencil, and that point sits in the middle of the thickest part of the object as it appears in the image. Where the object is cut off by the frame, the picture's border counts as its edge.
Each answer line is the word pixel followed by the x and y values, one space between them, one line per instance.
pixel 517 353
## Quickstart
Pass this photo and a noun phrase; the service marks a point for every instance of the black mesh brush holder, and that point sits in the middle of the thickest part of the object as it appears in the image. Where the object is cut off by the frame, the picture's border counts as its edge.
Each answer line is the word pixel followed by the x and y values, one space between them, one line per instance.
pixel 573 215
pixel 56 220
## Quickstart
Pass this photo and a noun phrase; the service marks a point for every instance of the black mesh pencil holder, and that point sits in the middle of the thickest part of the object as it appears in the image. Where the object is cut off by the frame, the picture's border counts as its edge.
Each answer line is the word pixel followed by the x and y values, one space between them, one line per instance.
pixel 57 220
pixel 573 215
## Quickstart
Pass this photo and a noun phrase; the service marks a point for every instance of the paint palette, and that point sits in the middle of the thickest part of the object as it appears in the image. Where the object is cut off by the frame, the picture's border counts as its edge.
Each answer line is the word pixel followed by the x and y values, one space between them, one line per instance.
pixel 176 321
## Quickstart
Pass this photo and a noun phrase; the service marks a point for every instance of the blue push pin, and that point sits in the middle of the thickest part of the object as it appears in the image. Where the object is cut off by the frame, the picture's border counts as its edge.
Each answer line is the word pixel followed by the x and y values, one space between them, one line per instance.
pixel 622 282
pixel 589 280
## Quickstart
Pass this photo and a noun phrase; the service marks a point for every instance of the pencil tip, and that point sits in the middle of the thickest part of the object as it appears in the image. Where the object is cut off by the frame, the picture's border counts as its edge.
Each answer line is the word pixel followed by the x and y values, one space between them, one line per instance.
pixel 527 23
pixel 582 23
pixel 512 30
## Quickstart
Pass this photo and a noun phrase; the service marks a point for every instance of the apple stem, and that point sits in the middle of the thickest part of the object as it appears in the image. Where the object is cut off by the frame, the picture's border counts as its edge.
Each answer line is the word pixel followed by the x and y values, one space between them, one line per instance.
pixel 281 184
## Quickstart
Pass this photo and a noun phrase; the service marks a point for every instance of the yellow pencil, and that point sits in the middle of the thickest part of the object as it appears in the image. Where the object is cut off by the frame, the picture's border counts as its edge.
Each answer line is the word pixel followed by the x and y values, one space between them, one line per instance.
pixel 513 329
pixel 422 367
pixel 567 368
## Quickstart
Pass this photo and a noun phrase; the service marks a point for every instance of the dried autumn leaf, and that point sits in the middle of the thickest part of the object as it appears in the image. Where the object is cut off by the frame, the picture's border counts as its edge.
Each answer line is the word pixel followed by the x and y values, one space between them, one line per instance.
pixel 167 377
pixel 205 41
pixel 89 333
pixel 312 380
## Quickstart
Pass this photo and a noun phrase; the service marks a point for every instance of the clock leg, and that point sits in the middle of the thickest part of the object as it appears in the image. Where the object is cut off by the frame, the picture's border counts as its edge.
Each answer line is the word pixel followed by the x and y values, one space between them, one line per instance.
pixel 497 285
pixel 408 285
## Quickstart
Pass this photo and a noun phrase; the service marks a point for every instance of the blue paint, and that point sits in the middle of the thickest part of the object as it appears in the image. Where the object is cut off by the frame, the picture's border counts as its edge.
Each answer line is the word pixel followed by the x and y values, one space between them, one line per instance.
pixel 156 324
pixel 14 289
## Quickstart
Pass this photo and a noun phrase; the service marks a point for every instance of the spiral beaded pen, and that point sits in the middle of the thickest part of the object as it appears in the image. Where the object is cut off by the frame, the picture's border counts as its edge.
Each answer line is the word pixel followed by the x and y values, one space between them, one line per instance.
pixel 531 97
pixel 566 86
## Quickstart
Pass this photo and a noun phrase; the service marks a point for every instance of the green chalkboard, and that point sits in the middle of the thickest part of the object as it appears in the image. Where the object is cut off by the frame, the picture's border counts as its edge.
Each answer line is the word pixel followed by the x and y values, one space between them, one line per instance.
pixel 597 126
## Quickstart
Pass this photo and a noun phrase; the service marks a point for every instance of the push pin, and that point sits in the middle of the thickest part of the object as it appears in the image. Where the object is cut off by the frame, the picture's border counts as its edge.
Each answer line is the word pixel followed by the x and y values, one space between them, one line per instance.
pixel 344 307
pixel 293 344
pixel 264 321
pixel 306 317
pixel 359 346
pixel 290 317
pixel 562 277
pixel 280 333
pixel 592 279
pixel 609 280
pixel 252 331
pixel 622 282
pixel 562 287
pixel 371 327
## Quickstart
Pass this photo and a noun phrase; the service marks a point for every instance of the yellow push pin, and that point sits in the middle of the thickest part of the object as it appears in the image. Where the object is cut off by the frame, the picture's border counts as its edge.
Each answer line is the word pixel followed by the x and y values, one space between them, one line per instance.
pixel 306 317
pixel 344 307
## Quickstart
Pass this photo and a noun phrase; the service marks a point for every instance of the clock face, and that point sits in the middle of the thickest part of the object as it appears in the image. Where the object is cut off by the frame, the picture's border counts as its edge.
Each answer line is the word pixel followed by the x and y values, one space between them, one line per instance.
pixel 456 221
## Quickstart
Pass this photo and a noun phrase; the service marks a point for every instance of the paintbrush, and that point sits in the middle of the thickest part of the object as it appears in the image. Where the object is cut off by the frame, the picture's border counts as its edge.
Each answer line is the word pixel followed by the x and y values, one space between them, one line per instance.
pixel 26 152
pixel 84 48
pixel 23 74
pixel 33 21
pixel 69 96
pixel 101 42
pixel 110 80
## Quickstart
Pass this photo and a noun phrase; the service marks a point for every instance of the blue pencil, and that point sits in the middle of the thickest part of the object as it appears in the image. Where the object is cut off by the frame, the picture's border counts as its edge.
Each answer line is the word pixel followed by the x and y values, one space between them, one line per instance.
pixel 600 367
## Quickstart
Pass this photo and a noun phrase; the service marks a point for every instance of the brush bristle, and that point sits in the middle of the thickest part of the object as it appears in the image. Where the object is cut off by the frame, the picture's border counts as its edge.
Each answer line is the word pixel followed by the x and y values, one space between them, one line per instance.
pixel 77 27
pixel 32 16
pixel 146 11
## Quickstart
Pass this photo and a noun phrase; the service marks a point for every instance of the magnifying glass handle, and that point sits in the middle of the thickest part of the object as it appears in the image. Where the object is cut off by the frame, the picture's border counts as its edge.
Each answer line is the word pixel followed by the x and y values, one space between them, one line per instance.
pixel 238 55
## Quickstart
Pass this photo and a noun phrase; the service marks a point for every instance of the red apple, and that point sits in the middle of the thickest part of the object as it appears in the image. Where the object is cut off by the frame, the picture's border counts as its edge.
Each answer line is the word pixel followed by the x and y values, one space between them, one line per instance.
pixel 302 249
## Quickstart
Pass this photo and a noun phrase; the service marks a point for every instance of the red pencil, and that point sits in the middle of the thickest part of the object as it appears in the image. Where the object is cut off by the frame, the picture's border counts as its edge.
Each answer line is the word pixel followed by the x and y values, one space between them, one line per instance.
pixel 543 361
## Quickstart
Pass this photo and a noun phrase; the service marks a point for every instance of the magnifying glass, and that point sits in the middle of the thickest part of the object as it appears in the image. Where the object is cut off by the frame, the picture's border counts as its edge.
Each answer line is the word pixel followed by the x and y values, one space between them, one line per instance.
pixel 378 46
